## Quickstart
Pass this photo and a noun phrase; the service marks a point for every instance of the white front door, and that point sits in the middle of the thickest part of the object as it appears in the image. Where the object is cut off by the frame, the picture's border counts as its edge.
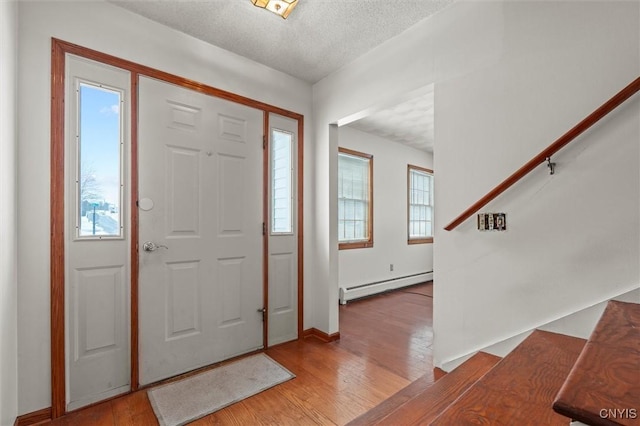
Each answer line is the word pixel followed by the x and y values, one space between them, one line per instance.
pixel 200 207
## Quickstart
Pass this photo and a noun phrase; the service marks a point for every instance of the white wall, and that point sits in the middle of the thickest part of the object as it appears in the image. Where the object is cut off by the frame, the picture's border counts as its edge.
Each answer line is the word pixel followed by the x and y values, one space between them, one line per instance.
pixel 510 77
pixel 444 45
pixel 573 237
pixel 110 29
pixel 390 160
pixel 8 217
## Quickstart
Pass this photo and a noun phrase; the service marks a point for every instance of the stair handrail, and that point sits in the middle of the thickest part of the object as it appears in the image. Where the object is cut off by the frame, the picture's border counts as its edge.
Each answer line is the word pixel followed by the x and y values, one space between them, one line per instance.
pixel 546 154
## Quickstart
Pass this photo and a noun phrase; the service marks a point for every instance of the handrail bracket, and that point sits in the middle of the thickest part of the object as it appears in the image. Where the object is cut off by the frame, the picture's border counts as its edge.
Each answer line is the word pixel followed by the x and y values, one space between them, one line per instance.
pixel 551 166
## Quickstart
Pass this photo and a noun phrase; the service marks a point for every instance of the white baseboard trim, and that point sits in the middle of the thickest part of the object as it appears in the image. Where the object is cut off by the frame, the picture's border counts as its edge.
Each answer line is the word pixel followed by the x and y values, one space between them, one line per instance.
pixel 363 290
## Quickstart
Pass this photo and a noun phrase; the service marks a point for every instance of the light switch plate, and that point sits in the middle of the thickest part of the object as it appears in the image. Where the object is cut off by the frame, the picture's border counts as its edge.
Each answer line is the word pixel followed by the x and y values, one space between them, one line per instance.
pixel 492 221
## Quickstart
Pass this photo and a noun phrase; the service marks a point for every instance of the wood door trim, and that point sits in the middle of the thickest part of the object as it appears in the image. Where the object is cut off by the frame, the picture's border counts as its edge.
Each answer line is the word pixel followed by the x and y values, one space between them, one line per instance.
pixel 59 49
pixel 58 401
pixel 265 229
pixel 300 185
pixel 144 70
pixel 135 221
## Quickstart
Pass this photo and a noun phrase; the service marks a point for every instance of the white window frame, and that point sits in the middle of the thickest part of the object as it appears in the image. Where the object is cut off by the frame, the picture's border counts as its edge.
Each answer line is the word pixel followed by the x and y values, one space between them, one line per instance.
pixel 78 161
pixel 290 185
pixel 412 238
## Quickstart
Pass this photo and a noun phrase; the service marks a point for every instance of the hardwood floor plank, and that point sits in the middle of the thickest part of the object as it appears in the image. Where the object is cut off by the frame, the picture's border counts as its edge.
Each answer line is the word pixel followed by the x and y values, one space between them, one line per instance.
pixel 349 385
pixel 133 410
pixel 405 349
pixel 310 404
pixel 98 415
pixel 338 408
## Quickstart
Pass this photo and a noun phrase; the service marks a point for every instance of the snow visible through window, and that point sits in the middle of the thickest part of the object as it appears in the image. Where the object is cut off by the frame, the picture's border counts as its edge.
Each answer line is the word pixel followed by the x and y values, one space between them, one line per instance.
pixel 100 161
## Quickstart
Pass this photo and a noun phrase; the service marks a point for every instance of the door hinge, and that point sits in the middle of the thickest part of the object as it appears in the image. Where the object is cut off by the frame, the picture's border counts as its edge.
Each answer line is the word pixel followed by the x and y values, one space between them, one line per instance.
pixel 264 228
pixel 264 141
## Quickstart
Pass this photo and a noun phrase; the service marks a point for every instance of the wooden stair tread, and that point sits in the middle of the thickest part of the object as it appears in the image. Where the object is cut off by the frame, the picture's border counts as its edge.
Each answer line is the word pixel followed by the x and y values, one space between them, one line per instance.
pixel 423 400
pixel 520 389
pixel 390 404
pixel 607 373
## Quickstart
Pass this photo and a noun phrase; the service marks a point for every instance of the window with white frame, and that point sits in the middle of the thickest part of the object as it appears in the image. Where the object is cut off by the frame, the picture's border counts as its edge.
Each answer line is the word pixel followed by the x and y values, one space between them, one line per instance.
pixel 355 199
pixel 99 161
pixel 420 205
pixel 281 182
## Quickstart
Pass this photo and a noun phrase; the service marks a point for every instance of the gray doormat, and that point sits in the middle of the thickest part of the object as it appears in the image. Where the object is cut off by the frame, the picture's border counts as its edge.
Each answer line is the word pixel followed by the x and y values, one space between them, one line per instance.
pixel 189 399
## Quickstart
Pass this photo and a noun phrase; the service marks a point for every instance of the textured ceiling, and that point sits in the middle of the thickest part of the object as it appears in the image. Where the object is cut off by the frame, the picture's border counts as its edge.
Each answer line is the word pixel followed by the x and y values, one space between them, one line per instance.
pixel 319 37
pixel 409 122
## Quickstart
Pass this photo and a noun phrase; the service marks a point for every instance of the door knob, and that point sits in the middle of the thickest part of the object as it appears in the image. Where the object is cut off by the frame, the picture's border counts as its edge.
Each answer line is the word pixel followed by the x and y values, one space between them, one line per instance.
pixel 150 246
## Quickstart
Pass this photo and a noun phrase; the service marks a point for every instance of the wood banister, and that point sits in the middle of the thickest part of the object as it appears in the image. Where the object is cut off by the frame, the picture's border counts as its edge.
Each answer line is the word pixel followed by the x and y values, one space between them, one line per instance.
pixel 563 140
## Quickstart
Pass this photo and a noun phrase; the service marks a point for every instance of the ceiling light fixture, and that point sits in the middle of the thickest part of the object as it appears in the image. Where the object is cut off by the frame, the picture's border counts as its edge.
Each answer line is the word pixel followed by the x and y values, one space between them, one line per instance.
pixel 279 7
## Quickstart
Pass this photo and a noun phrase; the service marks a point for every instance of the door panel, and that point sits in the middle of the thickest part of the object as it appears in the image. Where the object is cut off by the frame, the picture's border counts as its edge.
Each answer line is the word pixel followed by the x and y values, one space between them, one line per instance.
pixel 98 323
pixel 183 192
pixel 283 244
pixel 200 177
pixel 183 295
pixel 98 294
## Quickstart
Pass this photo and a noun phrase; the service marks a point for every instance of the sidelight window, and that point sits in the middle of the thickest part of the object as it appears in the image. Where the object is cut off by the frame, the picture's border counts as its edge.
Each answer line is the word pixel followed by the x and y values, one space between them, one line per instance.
pixel 99 161
pixel 281 182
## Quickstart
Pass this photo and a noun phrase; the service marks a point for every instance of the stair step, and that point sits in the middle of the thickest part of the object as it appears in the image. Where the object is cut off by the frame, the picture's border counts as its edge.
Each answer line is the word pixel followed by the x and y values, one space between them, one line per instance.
pixel 520 389
pixel 423 400
pixel 606 375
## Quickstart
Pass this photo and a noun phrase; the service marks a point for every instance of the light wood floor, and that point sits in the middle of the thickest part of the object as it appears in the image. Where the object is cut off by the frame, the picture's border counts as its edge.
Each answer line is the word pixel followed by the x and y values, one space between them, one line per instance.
pixel 385 345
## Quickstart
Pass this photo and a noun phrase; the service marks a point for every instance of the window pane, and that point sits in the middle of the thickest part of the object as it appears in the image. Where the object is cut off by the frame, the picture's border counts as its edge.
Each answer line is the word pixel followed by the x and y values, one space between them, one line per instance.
pixel 281 182
pixel 350 230
pixel 350 210
pixel 353 197
pixel 361 211
pixel 420 194
pixel 100 168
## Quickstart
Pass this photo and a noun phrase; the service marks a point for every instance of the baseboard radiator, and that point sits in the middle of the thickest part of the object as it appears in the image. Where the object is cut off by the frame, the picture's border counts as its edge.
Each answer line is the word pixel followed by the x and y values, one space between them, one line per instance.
pixel 363 290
